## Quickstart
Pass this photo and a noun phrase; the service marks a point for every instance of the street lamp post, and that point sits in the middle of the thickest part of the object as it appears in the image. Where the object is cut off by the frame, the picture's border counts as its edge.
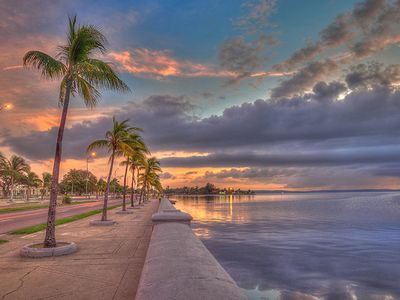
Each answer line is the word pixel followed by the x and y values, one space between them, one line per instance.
pixel 93 154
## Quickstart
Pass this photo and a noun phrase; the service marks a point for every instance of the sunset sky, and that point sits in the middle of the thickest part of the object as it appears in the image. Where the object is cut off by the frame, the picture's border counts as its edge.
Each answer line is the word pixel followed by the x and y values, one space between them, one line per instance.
pixel 258 94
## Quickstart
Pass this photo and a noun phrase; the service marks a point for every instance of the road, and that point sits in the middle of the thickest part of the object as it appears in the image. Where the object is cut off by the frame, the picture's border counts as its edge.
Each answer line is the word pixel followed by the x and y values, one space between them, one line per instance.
pixel 17 220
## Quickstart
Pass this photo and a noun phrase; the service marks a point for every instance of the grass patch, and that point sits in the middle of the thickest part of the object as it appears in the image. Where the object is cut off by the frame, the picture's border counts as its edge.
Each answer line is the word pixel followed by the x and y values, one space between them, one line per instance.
pixel 40 227
pixel 21 208
pixel 3 241
pixel 29 206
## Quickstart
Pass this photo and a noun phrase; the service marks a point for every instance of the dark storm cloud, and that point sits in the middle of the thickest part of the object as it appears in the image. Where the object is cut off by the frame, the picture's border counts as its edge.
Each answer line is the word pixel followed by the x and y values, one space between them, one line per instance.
pixel 388 170
pixel 331 91
pixel 250 173
pixel 315 159
pixel 362 118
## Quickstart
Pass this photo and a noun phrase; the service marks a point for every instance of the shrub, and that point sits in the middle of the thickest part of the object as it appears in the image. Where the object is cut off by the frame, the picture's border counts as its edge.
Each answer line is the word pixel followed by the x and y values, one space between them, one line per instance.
pixel 67 199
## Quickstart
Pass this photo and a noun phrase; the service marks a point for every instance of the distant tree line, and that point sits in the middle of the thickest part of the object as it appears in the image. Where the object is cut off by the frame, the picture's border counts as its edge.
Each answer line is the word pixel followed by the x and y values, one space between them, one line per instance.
pixel 208 189
pixel 16 179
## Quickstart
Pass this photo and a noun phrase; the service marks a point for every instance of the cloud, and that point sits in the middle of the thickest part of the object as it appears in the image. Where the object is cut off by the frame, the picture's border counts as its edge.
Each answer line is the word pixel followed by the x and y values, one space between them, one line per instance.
pixel 191 173
pixel 254 173
pixel 167 175
pixel 245 57
pixel 369 28
pixel 358 133
pixel 304 79
pixel 328 91
pixel 363 117
pixel 242 58
pixel 372 75
pixel 311 159
pixel 337 33
pixel 159 64
pixel 257 15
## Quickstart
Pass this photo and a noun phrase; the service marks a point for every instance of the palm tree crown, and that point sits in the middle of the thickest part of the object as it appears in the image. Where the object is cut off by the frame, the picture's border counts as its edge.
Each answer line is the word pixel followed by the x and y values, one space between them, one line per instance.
pixel 14 169
pixel 80 73
pixel 118 140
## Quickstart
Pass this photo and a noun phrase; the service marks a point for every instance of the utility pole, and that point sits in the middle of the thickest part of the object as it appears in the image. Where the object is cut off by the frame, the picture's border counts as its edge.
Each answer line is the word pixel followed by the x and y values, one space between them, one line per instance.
pixel 93 154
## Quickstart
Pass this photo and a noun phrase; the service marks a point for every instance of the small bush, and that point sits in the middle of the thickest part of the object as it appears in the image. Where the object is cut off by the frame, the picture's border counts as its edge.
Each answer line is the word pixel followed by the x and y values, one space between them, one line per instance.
pixel 67 199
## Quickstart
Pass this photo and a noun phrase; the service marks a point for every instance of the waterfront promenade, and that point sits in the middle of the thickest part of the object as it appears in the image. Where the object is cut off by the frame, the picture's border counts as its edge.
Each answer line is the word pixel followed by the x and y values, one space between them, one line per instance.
pixel 107 265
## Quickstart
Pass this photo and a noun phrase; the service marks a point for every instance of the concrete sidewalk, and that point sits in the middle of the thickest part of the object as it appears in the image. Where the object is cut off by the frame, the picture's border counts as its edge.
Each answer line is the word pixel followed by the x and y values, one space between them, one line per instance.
pixel 107 266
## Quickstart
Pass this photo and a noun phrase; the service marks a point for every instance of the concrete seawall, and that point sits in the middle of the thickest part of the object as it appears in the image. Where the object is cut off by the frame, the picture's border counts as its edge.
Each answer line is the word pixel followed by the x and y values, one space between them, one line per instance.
pixel 178 266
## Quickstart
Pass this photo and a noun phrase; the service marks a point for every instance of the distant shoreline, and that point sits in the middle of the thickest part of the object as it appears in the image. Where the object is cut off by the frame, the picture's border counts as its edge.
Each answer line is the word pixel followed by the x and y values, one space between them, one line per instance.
pixel 326 191
pixel 256 192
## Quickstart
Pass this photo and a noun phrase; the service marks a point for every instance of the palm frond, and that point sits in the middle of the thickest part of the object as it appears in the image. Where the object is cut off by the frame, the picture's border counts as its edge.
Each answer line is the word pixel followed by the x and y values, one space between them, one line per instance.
pixel 100 73
pixel 49 67
pixel 89 93
pixel 98 144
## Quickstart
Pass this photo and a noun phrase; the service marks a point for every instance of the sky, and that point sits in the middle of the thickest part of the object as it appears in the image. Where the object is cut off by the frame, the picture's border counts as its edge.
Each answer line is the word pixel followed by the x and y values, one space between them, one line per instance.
pixel 251 94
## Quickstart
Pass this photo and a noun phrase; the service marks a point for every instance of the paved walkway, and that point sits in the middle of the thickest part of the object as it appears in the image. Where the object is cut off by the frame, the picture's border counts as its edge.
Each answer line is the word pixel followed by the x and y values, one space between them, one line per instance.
pixel 107 265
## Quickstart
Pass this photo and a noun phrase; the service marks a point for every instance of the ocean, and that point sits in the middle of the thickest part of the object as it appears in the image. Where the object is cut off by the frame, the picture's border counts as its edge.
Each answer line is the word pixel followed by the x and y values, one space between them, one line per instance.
pixel 342 245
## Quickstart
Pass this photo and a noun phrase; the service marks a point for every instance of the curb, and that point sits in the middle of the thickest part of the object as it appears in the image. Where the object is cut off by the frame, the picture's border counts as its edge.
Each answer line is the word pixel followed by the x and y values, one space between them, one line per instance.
pixel 32 252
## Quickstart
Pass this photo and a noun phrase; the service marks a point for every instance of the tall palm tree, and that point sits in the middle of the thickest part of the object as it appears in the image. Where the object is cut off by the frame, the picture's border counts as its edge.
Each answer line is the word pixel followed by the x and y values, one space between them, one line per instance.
pixel 154 183
pixel 135 161
pixel 80 74
pixel 31 180
pixel 118 142
pixel 138 148
pixel 14 169
pixel 149 169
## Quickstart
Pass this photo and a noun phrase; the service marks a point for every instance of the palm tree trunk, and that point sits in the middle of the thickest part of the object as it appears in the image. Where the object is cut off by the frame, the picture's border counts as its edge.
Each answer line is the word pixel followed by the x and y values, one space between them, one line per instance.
pixel 50 238
pixel 124 195
pixel 137 182
pixel 12 189
pixel 104 214
pixel 143 189
pixel 132 186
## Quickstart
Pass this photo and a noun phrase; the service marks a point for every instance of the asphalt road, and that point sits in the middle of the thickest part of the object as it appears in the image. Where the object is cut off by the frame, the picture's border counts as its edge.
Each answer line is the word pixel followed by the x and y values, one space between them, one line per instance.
pixel 17 220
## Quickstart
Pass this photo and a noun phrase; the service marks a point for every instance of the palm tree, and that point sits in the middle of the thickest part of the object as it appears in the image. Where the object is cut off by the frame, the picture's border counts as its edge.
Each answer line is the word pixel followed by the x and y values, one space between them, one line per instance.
pixel 154 183
pixel 135 161
pixel 14 169
pixel 149 169
pixel 45 184
pixel 118 142
pixel 139 149
pixel 31 180
pixel 80 74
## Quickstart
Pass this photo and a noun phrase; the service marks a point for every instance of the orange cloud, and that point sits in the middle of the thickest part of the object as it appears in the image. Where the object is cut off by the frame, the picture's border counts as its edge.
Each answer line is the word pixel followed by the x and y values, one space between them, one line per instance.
pixel 159 64
pixel 13 67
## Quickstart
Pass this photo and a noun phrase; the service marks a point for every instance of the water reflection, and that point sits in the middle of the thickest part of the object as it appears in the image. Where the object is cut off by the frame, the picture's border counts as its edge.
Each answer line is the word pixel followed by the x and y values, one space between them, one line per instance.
pixel 304 246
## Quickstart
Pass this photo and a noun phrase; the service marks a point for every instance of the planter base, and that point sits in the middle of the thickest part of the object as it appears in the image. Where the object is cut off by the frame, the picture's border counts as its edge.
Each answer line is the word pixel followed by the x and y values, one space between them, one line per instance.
pixel 102 223
pixel 36 250
pixel 126 212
